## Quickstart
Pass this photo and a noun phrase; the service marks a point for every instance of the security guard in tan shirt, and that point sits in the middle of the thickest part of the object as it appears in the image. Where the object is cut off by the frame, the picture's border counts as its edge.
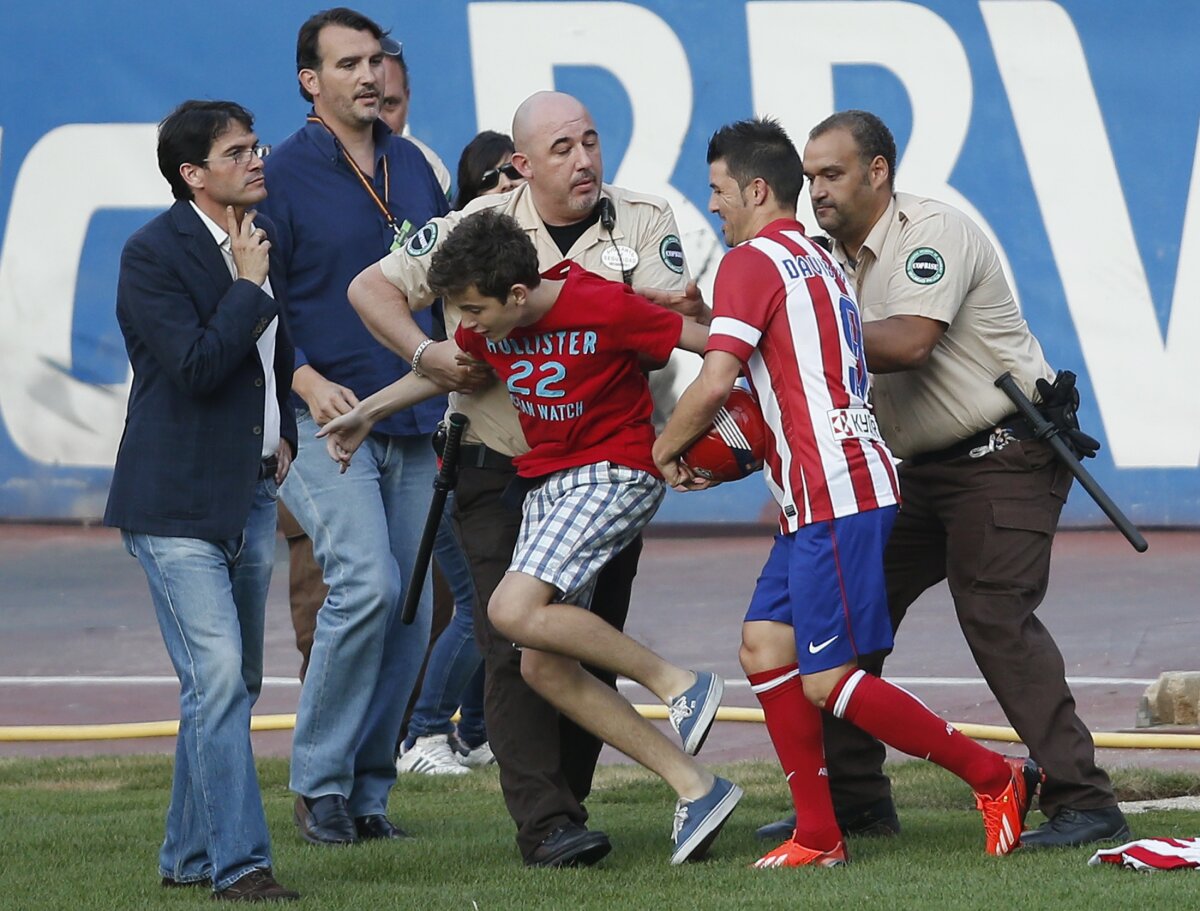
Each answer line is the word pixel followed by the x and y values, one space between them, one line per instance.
pixel 938 265
pixel 981 497
pixel 546 762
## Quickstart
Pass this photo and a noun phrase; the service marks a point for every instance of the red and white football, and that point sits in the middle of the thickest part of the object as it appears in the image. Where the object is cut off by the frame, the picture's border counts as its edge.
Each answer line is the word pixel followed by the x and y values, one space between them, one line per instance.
pixel 736 443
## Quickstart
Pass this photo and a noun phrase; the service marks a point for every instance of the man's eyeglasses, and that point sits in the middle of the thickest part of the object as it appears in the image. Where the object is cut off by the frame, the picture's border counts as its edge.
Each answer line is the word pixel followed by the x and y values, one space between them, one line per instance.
pixel 489 179
pixel 243 156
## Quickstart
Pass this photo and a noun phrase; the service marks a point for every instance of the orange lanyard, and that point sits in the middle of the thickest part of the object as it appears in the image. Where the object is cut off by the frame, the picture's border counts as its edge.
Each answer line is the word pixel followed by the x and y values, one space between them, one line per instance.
pixel 363 179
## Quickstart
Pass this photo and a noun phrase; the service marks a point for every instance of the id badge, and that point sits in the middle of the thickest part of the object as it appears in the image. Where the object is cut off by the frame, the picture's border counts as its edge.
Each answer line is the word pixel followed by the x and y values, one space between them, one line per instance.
pixel 400 235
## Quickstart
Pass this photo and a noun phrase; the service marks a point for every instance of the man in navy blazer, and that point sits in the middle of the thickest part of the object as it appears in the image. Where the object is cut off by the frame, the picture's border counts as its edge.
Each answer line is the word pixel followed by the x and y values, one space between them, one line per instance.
pixel 208 440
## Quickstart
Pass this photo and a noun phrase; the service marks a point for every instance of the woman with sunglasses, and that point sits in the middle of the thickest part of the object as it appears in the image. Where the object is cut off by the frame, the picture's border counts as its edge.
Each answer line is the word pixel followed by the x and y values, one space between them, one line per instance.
pixel 486 167
pixel 454 672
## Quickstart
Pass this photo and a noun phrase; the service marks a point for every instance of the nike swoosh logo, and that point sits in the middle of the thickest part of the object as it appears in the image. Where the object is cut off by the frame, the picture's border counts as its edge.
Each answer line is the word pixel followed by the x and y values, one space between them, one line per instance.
pixel 813 649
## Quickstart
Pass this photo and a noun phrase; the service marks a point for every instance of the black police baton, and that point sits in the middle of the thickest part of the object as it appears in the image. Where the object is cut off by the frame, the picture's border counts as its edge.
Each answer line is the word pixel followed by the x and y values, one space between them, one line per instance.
pixel 1046 430
pixel 443 483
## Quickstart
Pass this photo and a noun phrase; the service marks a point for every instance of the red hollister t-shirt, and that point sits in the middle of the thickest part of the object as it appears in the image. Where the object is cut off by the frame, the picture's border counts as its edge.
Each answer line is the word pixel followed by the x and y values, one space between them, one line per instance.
pixel 575 375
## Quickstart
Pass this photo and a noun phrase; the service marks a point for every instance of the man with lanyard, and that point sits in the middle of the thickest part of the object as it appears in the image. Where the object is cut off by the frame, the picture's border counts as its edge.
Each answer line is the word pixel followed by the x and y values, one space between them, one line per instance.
pixel 347 191
pixel 546 762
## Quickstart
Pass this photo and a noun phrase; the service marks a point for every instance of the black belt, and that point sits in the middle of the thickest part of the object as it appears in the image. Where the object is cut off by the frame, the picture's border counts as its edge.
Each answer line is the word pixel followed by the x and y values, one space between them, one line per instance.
pixel 1009 430
pixel 474 455
pixel 267 467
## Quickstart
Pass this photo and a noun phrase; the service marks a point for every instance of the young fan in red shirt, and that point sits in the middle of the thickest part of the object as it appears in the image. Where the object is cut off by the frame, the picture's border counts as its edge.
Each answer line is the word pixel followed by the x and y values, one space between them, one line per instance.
pixel 575 375
pixel 570 347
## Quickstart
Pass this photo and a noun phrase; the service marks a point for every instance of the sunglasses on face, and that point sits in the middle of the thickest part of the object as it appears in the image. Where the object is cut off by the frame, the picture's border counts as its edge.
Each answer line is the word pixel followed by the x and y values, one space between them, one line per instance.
pixel 489 179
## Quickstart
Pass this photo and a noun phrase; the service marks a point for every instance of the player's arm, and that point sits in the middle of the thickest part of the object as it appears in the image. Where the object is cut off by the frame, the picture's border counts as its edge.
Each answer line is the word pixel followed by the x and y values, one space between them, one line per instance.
pixel 900 342
pixel 692 337
pixel 345 433
pixel 693 415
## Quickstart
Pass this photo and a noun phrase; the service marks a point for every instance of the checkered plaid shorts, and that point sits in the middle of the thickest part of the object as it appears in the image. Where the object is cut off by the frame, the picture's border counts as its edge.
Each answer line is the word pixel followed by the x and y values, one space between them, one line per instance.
pixel 575 522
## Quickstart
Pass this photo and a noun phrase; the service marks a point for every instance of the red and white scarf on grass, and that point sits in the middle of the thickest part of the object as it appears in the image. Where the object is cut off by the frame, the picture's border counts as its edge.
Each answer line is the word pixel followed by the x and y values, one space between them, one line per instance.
pixel 1151 854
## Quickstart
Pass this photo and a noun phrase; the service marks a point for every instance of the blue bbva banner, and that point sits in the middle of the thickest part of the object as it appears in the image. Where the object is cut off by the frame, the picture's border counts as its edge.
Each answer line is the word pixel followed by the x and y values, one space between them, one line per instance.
pixel 1067 129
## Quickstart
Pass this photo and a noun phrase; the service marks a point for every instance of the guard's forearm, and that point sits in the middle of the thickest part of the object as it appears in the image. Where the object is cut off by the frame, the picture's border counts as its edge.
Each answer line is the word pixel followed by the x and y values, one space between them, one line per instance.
pixel 900 342
pixel 385 311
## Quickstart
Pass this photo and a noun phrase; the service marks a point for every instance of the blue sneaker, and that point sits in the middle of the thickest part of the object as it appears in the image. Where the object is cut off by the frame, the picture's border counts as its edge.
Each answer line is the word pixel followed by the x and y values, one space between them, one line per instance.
pixel 692 712
pixel 698 822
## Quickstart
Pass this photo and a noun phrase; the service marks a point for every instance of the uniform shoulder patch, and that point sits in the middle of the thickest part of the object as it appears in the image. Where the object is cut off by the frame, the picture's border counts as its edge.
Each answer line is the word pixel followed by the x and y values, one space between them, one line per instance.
pixel 671 252
pixel 423 241
pixel 925 266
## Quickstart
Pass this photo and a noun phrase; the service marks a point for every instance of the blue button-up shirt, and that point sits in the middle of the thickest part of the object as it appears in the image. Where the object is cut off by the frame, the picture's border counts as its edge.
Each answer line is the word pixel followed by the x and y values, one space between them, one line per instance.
pixel 327 230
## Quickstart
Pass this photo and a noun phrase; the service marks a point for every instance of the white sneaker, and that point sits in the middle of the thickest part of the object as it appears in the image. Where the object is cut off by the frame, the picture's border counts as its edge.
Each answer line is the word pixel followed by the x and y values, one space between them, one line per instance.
pixel 474 758
pixel 431 755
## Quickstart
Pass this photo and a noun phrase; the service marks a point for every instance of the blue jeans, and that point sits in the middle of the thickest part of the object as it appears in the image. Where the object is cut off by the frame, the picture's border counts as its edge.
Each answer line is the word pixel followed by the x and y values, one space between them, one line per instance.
pixel 365 527
pixel 210 599
pixel 454 672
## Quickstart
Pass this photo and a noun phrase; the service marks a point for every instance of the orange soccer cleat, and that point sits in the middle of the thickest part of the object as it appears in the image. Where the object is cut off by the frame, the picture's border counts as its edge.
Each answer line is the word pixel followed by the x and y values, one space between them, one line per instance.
pixel 793 854
pixel 1004 816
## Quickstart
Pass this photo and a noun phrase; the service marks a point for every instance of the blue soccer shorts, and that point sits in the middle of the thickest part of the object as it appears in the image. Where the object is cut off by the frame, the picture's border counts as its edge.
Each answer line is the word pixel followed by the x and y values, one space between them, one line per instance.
pixel 826 582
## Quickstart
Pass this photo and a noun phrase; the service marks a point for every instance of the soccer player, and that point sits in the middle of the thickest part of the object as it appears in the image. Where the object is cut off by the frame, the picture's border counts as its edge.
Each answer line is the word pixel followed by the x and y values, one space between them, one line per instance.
pixel 784 314
pixel 571 346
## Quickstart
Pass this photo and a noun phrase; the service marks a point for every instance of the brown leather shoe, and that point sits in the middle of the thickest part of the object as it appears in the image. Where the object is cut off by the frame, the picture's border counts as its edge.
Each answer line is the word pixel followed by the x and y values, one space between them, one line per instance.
pixel 256 886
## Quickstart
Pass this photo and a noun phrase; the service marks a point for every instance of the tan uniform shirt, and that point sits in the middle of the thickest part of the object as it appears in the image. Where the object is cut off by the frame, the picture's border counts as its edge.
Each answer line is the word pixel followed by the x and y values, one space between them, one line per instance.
pixel 439 167
pixel 644 237
pixel 924 258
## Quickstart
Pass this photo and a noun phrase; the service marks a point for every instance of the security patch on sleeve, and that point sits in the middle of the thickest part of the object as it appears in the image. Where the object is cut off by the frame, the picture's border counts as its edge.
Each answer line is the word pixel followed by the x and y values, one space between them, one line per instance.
pixel 925 266
pixel 422 242
pixel 671 251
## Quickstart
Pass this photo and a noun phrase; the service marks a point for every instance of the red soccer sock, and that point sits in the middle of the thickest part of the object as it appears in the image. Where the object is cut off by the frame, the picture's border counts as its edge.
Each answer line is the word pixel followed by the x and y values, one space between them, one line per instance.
pixel 901 720
pixel 794 724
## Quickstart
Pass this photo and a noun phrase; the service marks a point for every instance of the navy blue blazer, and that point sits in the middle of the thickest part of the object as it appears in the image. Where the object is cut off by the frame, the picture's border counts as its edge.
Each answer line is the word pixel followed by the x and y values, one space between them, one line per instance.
pixel 190 454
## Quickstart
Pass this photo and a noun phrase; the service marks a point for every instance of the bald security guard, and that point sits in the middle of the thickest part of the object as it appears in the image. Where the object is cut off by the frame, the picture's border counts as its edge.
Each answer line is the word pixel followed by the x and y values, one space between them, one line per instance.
pixel 546 762
pixel 980 497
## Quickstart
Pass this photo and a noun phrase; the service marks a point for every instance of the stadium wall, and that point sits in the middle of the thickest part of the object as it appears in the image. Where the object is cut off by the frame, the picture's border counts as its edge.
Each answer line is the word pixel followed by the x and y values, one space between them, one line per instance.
pixel 1067 129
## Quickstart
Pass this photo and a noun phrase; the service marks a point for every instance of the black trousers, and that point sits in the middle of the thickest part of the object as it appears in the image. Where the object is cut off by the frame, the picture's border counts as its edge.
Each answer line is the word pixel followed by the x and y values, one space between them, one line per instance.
pixel 986 526
pixel 546 761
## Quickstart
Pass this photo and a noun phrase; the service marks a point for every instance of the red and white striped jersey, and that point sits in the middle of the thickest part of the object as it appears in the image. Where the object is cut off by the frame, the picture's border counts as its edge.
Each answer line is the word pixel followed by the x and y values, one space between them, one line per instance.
pixel 784 308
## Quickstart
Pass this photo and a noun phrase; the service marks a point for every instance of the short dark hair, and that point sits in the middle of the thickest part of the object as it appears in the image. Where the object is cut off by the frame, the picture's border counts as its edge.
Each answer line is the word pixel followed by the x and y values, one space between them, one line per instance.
pixel 760 148
pixel 871 135
pixel 480 155
pixel 308 56
pixel 186 136
pixel 487 250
